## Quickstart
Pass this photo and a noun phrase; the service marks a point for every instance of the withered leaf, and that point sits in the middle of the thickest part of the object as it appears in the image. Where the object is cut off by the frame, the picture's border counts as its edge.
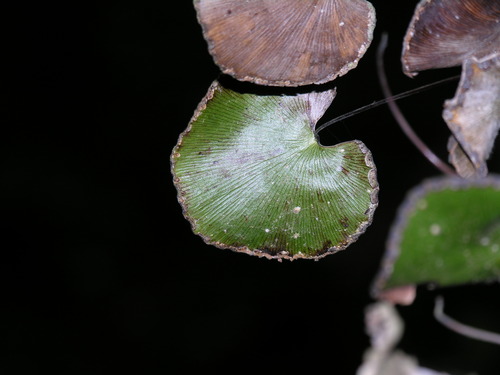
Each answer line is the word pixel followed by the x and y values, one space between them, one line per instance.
pixel 286 43
pixel 443 33
pixel 473 116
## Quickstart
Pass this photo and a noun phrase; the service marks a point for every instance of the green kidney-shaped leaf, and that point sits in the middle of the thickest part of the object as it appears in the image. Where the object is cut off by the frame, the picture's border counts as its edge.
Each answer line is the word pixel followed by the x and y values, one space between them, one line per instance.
pixel 252 177
pixel 447 232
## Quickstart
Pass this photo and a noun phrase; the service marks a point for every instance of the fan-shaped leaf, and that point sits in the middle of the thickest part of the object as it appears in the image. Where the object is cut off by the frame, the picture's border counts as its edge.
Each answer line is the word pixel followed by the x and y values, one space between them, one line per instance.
pixel 287 42
pixel 252 177
pixel 444 33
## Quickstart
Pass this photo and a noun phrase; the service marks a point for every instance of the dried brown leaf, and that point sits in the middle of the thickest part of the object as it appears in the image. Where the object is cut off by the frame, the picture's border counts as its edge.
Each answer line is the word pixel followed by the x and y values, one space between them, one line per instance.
pixel 444 33
pixel 286 43
pixel 473 116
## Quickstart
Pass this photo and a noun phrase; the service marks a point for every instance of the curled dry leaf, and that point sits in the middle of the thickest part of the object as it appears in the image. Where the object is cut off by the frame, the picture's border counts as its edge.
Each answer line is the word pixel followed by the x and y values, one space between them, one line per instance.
pixel 473 116
pixel 288 42
pixel 444 33
pixel 251 177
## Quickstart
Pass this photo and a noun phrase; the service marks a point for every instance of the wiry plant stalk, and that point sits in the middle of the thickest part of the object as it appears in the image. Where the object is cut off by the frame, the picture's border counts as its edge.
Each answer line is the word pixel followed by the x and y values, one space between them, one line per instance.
pixel 463 329
pixel 400 118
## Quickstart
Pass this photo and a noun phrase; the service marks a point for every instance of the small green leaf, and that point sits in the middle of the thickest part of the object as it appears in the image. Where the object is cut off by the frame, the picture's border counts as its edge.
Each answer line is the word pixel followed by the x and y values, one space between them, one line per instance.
pixel 447 232
pixel 252 177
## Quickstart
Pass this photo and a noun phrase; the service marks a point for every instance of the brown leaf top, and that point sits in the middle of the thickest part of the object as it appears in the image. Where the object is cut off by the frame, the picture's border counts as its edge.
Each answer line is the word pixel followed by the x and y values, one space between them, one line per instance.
pixel 443 33
pixel 286 43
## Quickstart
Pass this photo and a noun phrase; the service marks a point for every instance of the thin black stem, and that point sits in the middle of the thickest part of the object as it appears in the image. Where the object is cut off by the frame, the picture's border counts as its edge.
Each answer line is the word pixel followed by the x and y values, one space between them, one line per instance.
pixel 384 101
pixel 399 117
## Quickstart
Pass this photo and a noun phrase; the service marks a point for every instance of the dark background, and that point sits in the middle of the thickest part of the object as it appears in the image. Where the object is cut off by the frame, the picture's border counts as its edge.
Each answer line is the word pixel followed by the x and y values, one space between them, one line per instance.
pixel 100 272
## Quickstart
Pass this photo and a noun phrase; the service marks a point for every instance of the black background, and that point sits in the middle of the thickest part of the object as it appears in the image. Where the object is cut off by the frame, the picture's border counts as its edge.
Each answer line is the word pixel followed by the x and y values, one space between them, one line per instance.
pixel 100 272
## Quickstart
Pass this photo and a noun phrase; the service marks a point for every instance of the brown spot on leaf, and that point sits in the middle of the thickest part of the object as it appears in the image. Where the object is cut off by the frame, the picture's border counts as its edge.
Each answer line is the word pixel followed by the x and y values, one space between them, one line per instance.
pixel 205 152
pixel 344 222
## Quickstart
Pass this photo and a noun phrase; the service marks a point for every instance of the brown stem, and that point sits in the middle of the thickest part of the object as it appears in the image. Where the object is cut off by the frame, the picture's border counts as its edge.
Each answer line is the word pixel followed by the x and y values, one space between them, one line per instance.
pixel 399 117
pixel 465 330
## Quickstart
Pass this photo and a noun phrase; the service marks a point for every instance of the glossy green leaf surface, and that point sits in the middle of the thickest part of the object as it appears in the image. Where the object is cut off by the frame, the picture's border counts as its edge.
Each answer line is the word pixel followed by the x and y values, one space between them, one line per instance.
pixel 252 177
pixel 447 232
